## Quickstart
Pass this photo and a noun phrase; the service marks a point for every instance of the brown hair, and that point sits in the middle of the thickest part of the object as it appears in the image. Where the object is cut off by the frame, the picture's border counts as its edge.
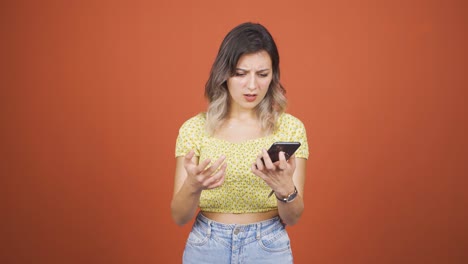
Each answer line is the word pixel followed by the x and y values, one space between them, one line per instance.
pixel 246 38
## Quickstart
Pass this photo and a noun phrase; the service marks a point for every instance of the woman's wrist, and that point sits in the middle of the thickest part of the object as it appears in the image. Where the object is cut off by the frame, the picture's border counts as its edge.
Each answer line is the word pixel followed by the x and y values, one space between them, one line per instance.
pixel 289 198
pixel 285 192
pixel 191 189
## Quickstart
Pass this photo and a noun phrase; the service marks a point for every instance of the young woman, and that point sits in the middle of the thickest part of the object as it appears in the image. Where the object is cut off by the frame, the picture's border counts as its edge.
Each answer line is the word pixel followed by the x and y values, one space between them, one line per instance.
pixel 223 167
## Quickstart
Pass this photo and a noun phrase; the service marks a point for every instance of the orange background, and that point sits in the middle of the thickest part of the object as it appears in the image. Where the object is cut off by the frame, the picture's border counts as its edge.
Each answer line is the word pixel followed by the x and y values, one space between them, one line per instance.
pixel 93 94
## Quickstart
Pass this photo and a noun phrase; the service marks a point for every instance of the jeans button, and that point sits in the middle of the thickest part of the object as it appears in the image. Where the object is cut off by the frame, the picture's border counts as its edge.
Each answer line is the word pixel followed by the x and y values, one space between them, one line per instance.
pixel 236 231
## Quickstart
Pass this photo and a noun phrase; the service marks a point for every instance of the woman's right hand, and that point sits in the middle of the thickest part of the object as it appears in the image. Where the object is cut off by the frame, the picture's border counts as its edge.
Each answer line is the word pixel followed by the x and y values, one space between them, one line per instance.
pixel 200 177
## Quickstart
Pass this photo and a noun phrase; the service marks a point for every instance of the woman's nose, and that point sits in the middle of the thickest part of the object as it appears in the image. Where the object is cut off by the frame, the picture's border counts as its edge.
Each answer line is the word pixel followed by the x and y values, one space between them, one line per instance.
pixel 252 82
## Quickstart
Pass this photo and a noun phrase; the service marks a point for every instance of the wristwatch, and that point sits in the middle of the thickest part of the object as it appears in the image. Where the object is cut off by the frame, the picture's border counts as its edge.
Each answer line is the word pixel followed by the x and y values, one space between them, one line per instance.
pixel 289 198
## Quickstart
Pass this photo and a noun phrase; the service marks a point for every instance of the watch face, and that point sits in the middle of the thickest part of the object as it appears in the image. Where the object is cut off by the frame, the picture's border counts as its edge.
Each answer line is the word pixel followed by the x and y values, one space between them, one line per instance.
pixel 290 197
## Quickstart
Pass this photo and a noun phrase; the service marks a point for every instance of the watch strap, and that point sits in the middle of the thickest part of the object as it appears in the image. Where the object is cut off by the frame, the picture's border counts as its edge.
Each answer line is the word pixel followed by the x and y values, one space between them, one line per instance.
pixel 289 198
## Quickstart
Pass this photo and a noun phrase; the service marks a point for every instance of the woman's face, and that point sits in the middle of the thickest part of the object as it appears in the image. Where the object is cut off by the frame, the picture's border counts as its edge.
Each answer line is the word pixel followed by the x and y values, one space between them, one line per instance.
pixel 251 80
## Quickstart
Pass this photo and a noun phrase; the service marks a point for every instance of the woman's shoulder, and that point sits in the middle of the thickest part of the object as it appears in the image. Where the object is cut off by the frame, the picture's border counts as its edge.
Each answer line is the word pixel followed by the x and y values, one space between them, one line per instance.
pixel 292 129
pixel 191 133
pixel 196 121
pixel 288 120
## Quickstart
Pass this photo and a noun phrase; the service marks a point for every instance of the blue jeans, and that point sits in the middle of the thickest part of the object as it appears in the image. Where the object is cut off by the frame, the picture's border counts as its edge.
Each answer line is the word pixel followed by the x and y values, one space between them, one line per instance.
pixel 261 242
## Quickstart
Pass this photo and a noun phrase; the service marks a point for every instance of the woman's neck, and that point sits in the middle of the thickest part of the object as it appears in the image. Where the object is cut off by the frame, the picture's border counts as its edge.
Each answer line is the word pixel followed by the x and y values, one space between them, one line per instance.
pixel 240 126
pixel 242 115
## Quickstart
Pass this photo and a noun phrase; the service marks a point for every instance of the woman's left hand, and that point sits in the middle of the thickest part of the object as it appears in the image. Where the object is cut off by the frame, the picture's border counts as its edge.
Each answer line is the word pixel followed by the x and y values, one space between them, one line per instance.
pixel 278 175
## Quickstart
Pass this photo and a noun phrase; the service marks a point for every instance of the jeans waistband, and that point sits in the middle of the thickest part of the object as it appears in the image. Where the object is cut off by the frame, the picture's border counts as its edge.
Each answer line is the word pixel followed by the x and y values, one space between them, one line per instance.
pixel 222 226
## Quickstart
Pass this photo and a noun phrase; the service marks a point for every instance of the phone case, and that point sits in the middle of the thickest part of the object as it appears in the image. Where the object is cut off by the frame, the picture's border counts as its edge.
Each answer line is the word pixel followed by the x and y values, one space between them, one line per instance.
pixel 287 147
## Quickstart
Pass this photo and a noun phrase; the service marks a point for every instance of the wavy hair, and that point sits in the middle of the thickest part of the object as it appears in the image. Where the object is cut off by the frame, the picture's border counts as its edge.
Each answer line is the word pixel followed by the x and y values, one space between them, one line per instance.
pixel 246 38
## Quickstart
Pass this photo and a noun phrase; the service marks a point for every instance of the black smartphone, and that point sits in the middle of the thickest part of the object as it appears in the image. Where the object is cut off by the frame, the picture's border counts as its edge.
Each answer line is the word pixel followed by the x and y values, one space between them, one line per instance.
pixel 287 147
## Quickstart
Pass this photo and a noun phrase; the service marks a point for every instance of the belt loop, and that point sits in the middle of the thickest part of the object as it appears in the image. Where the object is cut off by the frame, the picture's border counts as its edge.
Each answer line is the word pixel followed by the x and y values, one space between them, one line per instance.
pixel 259 226
pixel 208 231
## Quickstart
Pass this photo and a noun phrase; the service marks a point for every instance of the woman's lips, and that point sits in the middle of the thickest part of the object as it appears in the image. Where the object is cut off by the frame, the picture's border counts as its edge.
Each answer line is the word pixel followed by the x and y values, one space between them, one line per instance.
pixel 250 97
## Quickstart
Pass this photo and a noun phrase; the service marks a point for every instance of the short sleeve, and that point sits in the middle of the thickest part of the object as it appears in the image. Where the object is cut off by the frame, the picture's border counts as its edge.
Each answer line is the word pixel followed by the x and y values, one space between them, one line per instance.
pixel 190 136
pixel 292 129
pixel 301 136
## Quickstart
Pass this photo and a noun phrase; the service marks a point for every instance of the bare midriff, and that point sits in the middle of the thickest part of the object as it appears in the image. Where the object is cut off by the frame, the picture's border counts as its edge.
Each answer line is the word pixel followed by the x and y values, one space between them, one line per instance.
pixel 241 219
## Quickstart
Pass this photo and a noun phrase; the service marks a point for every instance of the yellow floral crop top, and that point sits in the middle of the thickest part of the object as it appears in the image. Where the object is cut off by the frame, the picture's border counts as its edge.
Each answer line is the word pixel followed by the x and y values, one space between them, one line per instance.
pixel 242 191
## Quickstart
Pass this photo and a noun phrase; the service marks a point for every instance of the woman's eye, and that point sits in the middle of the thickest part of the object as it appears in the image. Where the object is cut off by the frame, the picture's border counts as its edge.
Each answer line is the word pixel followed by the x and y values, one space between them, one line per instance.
pixel 239 74
pixel 263 74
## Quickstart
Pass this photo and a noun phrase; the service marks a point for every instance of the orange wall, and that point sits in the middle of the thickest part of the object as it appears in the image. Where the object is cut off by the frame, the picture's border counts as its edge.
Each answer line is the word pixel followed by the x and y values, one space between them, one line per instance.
pixel 93 94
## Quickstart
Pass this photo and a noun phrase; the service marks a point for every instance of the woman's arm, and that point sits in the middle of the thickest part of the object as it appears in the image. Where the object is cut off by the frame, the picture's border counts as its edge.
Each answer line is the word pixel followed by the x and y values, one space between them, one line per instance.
pixel 290 213
pixel 191 177
pixel 282 176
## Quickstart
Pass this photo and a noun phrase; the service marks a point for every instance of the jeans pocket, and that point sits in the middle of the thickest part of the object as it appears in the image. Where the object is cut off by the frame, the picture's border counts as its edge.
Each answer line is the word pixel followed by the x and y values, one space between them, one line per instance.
pixel 198 236
pixel 275 241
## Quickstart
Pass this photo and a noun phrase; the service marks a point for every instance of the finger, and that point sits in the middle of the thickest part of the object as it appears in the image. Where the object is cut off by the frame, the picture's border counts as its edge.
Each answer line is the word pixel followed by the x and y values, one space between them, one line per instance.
pixel 202 165
pixel 215 165
pixel 218 178
pixel 283 164
pixel 217 183
pixel 254 168
pixel 189 156
pixel 266 159
pixel 258 172
pixel 259 162
pixel 189 163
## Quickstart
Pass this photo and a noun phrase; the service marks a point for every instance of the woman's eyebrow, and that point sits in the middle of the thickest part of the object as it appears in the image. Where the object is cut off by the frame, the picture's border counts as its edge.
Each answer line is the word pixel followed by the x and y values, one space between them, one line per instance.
pixel 261 70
